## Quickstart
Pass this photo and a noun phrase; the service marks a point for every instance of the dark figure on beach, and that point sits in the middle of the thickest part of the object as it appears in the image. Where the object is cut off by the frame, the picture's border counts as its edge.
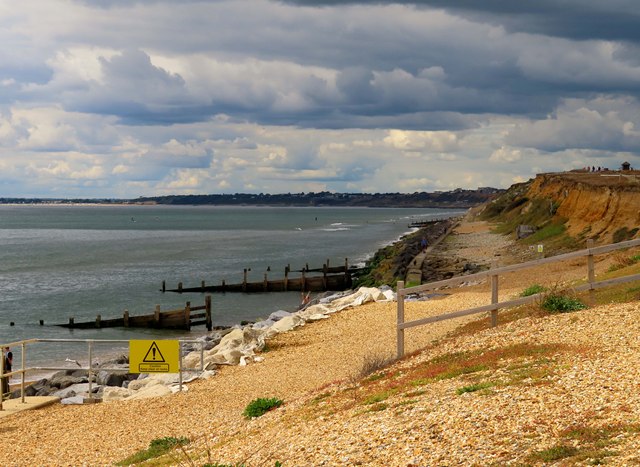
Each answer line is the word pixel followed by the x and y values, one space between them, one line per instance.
pixel 7 360
pixel 424 244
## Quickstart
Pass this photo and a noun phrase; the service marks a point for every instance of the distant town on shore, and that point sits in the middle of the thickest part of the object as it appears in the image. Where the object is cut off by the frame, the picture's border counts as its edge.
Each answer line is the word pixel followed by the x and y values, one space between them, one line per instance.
pixel 458 198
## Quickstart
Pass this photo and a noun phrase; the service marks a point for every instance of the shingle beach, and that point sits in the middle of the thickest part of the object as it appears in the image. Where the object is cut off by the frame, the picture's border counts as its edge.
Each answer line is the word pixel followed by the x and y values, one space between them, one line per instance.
pixel 544 383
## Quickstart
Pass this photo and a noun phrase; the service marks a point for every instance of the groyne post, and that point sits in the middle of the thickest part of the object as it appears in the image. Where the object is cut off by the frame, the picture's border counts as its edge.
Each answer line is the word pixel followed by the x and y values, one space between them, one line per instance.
pixel 125 318
pixel 164 286
pixel 179 287
pixel 207 304
pixel 187 316
pixel 286 277
pixel 98 320
pixel 244 280
pixel 156 316
pixel 202 286
pixel 71 321
pixel 265 283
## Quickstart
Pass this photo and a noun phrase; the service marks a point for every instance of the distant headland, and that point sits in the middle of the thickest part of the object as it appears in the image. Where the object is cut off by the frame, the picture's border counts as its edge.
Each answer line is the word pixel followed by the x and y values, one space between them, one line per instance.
pixel 458 198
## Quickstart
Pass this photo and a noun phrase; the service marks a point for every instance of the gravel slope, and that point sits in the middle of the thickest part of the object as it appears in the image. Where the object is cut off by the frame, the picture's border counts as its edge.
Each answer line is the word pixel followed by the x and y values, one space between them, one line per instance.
pixel 589 379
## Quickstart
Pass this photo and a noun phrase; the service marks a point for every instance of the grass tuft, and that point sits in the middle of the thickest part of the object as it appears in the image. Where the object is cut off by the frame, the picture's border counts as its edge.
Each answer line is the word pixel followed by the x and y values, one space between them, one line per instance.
pixel 260 406
pixel 157 447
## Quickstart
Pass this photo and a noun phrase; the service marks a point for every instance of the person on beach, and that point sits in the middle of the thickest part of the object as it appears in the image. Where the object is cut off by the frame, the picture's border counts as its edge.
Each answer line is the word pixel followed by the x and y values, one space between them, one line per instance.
pixel 306 298
pixel 7 360
pixel 424 244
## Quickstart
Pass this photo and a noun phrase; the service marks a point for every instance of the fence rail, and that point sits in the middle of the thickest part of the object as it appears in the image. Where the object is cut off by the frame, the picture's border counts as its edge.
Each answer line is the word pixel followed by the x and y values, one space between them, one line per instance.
pixel 494 274
pixel 90 369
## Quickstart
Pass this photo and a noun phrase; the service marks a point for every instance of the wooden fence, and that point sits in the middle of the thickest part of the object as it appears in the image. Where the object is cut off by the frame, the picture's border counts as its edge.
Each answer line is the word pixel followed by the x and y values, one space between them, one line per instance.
pixel 495 305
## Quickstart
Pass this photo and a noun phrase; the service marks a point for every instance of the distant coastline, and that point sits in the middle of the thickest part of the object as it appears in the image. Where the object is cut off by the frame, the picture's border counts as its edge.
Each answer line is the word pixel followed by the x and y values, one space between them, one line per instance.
pixel 458 198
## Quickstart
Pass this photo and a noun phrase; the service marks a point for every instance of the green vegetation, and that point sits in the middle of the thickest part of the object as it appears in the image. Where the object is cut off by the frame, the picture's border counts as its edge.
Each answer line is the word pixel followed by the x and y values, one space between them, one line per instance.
pixel 581 444
pixel 557 303
pixel 473 388
pixel 623 234
pixel 555 453
pixel 260 406
pixel 533 290
pixel 157 448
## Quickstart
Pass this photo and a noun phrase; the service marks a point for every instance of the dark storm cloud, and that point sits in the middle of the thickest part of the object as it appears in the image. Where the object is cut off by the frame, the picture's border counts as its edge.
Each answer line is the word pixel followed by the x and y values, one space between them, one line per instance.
pixel 578 19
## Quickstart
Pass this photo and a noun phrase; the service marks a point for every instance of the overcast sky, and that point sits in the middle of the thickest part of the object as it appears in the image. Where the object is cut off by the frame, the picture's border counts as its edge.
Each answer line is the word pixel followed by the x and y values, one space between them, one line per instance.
pixel 124 98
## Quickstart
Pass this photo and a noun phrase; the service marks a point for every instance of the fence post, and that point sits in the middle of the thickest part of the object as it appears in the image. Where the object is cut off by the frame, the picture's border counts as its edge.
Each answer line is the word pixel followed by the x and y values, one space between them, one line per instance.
pixel 22 375
pixel 2 379
pixel 494 299
pixel 400 321
pixel 591 272
pixel 90 371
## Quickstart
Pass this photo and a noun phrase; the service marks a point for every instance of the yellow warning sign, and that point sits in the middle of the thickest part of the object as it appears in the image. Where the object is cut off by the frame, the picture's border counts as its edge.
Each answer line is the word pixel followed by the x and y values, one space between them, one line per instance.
pixel 161 356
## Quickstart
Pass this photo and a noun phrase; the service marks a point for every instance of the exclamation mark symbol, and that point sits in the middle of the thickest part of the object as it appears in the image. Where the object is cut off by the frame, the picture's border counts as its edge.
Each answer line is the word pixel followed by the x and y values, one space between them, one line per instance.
pixel 154 353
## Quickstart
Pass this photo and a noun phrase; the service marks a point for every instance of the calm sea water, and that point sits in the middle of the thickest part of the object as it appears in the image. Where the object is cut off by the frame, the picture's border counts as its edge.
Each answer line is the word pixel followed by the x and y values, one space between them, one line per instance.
pixel 58 262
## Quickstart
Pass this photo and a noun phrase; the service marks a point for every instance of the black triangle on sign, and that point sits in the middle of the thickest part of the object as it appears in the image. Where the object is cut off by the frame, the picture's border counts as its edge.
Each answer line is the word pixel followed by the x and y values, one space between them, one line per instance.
pixel 153 355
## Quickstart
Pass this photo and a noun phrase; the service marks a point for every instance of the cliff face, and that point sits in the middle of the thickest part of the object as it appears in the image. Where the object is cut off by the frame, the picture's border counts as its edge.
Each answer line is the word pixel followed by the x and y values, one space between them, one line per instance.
pixel 596 205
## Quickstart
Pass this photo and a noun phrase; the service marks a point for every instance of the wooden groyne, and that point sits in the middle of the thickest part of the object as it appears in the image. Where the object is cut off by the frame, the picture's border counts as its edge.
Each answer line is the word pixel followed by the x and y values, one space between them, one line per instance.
pixel 310 280
pixel 183 318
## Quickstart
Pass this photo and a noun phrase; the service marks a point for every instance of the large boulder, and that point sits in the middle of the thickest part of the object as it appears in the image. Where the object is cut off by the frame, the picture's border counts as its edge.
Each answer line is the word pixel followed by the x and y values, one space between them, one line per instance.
pixel 62 380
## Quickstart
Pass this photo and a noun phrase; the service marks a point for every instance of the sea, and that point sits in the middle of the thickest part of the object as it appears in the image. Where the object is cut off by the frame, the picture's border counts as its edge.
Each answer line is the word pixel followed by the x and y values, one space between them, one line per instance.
pixel 62 261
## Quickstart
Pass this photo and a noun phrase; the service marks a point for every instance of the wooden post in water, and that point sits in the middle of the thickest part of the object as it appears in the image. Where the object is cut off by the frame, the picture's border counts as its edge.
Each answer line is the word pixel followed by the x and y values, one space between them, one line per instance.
pixel 164 286
pixel 179 287
pixel 224 285
pixel 156 316
pixel 202 286
pixel 71 321
pixel 324 275
pixel 187 316
pixel 41 322
pixel 244 280
pixel 265 283
pixel 125 318
pixel 98 320
pixel 286 277
pixel 207 304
